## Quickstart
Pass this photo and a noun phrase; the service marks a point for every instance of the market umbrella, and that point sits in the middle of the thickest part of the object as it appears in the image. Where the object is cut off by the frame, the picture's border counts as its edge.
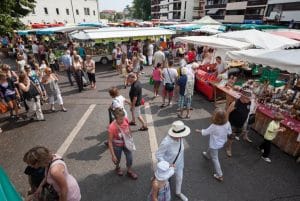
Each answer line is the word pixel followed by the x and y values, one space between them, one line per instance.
pixel 7 189
pixel 211 29
pixel 207 20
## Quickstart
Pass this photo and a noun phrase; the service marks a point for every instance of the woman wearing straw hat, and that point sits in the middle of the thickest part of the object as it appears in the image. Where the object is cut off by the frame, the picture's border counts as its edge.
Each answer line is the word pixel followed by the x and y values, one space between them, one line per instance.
pixel 160 190
pixel 171 150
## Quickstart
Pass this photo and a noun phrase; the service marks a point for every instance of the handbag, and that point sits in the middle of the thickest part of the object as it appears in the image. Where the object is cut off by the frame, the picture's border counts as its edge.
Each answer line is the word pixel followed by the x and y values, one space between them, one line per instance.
pixel 3 108
pixel 151 81
pixel 169 86
pixel 48 192
pixel 128 139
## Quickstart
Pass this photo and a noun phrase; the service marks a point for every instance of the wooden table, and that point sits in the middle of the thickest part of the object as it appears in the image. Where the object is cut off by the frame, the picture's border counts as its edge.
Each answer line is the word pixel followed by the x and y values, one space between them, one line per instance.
pixel 230 94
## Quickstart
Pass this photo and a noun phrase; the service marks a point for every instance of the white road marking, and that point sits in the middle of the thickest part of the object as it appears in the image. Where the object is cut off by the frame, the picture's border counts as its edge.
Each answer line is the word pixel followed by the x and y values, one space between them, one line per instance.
pixel 64 147
pixel 151 132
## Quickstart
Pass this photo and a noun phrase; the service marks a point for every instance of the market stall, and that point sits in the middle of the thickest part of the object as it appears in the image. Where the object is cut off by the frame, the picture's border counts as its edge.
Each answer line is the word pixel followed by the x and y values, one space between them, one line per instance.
pixel 106 36
pixel 221 45
pixel 285 99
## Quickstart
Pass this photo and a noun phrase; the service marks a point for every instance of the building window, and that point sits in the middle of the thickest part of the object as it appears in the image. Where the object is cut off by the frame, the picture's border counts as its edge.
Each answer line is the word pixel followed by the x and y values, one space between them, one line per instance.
pixel 94 12
pixel 67 11
pixel 46 11
pixel 86 11
pixel 57 11
pixel 33 11
pixel 77 12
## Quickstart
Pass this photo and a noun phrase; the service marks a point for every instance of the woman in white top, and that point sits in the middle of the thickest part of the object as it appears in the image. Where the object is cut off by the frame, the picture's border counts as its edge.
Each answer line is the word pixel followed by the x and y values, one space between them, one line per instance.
pixel 125 66
pixel 21 62
pixel 218 132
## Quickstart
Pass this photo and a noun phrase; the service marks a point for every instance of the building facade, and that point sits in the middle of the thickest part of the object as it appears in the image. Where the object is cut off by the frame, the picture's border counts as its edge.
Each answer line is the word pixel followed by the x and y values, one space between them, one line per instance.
pixel 66 11
pixel 179 10
pixel 283 11
pixel 236 11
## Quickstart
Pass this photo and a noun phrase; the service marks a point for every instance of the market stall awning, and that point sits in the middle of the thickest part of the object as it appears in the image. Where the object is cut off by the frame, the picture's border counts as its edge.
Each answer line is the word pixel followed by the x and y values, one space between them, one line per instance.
pixel 288 60
pixel 214 42
pixel 120 33
pixel 183 27
pixel 211 29
pixel 261 39
pixel 206 20
pixel 92 24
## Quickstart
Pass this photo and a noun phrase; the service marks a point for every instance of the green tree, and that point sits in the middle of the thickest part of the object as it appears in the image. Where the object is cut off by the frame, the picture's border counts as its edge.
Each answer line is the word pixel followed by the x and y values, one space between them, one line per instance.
pixel 10 13
pixel 142 9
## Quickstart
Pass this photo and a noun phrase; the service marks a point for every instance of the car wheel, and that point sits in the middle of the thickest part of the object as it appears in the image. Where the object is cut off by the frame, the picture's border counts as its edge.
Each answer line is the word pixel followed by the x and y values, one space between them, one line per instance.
pixel 104 61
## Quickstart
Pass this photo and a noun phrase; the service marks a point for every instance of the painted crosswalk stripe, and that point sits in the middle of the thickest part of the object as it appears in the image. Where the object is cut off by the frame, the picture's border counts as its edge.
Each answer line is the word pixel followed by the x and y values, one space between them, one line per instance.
pixel 151 132
pixel 68 141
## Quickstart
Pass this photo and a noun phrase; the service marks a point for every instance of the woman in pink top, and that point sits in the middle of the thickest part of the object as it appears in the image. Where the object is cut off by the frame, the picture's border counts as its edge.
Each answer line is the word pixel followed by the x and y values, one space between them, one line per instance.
pixel 56 173
pixel 157 77
pixel 116 143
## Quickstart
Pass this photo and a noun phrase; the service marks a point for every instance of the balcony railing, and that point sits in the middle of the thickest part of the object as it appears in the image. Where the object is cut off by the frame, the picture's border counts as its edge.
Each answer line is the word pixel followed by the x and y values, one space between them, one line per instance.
pixel 257 2
pixel 177 8
pixel 215 6
pixel 253 17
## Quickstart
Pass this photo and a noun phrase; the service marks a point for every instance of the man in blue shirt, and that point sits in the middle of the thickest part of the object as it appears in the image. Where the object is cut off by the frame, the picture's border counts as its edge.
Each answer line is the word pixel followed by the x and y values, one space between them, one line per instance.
pixel 67 61
pixel 181 82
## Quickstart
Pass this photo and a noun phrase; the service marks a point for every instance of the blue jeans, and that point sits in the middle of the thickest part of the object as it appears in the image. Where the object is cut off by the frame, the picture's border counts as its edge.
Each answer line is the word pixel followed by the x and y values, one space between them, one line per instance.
pixel 70 74
pixel 128 154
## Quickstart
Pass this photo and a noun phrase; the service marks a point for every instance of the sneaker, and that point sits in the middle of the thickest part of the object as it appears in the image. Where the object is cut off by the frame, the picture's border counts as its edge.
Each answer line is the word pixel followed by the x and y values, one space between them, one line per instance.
pixel 237 138
pixel 204 154
pixel 182 197
pixel 268 160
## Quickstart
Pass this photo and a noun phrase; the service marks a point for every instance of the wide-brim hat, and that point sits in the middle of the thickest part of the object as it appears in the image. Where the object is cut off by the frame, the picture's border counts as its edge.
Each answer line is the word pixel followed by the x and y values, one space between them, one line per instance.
pixel 178 129
pixel 163 171
pixel 246 93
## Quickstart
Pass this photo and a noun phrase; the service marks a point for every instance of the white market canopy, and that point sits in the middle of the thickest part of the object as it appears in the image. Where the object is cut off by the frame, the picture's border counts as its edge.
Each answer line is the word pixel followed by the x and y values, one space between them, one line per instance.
pixel 119 33
pixel 211 29
pixel 214 42
pixel 261 39
pixel 207 20
pixel 288 60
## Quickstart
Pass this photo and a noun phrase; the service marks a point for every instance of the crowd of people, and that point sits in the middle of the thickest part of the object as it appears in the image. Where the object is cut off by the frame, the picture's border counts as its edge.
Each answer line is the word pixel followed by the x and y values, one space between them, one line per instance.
pixel 36 81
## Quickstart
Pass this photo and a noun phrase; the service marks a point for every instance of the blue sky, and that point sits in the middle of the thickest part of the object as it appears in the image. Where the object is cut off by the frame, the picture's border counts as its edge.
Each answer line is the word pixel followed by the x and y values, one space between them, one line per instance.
pixel 117 5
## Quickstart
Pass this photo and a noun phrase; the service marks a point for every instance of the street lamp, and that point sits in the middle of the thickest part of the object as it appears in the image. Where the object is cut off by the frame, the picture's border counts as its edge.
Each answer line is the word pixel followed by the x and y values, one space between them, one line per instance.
pixel 73 11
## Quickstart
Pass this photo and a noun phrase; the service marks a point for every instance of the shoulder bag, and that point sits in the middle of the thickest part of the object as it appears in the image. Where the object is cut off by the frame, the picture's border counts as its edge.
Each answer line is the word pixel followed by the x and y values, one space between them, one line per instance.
pixel 177 153
pixel 49 193
pixel 169 86
pixel 128 139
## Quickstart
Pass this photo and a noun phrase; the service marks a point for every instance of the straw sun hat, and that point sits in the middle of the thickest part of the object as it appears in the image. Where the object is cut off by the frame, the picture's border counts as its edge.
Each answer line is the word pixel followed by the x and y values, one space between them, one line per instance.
pixel 178 129
pixel 163 171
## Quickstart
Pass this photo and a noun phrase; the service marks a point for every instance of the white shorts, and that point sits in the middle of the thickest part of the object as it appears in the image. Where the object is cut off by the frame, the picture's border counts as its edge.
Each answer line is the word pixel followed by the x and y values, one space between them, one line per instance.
pixel 118 62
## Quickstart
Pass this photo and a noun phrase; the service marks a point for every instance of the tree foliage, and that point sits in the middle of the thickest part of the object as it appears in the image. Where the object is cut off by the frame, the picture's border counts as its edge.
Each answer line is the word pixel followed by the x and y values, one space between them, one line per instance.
pixel 10 13
pixel 142 9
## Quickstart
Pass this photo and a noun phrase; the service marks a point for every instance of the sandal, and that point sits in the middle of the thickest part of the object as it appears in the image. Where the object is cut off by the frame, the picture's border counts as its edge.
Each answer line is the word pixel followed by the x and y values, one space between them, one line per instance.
pixel 188 116
pixel 219 178
pixel 163 105
pixel 132 123
pixel 143 129
pixel 119 171
pixel 132 175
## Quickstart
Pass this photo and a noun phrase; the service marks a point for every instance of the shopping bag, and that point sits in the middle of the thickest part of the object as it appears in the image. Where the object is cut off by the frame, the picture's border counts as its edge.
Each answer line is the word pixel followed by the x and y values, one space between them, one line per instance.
pixel 151 81
pixel 3 108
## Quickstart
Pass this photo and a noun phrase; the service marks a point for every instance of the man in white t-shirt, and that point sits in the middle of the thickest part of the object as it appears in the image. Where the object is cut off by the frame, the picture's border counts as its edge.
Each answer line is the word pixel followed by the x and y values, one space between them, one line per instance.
pixel 159 57
pixel 220 65
pixel 150 53
pixel 170 75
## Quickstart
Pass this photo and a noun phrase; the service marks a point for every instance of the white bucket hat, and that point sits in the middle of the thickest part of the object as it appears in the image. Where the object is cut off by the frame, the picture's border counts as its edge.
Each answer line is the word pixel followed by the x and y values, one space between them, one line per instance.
pixel 163 171
pixel 178 129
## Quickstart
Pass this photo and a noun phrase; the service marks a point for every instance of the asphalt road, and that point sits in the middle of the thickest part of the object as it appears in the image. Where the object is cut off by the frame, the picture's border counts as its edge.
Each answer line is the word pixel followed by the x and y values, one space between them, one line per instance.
pixel 246 176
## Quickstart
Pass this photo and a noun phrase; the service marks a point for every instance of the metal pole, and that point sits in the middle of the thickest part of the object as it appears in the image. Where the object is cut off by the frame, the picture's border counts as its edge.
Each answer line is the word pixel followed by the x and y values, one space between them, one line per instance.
pixel 73 11
pixel 98 13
